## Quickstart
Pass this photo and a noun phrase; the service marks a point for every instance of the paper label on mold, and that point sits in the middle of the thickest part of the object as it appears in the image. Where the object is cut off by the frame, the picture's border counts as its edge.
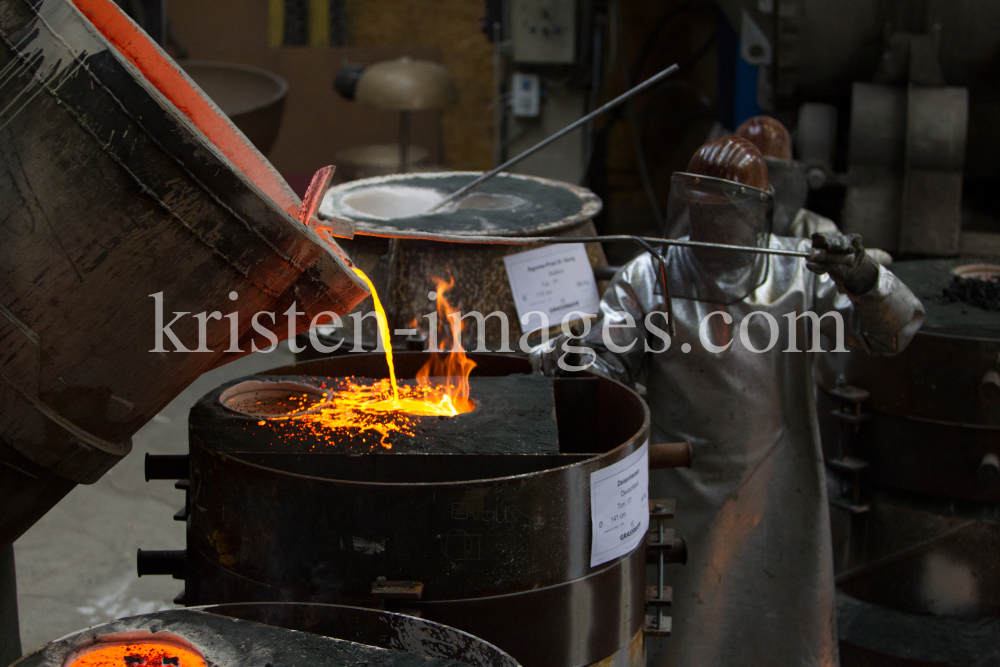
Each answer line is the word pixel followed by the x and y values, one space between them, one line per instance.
pixel 553 280
pixel 619 507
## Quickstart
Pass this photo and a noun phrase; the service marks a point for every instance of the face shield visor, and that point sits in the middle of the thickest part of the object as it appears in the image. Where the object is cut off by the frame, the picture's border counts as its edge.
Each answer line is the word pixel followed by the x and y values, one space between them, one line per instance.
pixel 788 179
pixel 717 211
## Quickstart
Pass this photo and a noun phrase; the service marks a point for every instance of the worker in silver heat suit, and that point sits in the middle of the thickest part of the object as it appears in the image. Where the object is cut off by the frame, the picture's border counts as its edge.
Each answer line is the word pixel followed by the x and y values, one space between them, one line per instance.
pixel 758 587
pixel 787 177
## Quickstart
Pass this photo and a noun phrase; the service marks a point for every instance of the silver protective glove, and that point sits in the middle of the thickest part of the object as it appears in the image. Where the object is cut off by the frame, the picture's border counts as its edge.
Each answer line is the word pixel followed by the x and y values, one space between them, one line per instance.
pixel 544 359
pixel 844 258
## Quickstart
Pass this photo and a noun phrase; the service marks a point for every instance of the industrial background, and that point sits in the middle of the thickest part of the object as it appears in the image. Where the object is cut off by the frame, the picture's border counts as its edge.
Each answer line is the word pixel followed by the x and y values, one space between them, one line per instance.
pixel 893 115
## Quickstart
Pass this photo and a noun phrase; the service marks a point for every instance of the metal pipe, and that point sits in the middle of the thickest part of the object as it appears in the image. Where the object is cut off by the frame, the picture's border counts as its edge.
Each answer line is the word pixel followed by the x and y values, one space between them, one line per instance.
pixel 670 455
pixel 561 133
pixel 498 113
pixel 537 240
pixel 404 141
pixel 659 573
pixel 167 466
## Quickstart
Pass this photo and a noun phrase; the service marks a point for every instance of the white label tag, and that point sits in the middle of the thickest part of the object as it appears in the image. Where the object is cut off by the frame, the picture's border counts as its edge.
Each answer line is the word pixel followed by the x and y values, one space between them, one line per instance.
pixel 619 506
pixel 553 280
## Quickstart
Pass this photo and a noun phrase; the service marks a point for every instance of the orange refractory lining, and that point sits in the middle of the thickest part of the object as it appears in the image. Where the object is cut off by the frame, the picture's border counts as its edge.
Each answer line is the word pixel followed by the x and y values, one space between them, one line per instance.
pixel 139 654
pixel 386 406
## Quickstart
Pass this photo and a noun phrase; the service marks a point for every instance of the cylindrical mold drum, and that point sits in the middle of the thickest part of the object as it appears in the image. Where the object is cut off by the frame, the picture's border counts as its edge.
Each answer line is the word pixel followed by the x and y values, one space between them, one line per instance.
pixel 913 442
pixel 497 535
pixel 128 199
pixel 402 267
pixel 253 635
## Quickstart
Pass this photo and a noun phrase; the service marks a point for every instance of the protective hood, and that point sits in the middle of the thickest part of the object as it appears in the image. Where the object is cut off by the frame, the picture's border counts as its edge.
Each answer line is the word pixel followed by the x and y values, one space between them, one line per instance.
pixel 717 211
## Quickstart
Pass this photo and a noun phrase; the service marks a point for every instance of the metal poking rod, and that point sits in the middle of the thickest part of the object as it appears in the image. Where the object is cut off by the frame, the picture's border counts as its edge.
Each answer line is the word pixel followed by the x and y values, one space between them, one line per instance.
pixel 536 240
pixel 561 133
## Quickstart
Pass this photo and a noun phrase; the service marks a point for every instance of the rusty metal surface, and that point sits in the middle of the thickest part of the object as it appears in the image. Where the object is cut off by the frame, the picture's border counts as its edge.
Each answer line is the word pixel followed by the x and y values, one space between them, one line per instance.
pixel 632 654
pixel 938 377
pixel 914 492
pixel 324 526
pixel 403 278
pixel 551 626
pixel 909 454
pixel 477 537
pixel 670 455
pixel 924 420
pixel 546 627
pixel 920 556
pixel 111 195
pixel 874 636
pixel 251 635
pixel 402 268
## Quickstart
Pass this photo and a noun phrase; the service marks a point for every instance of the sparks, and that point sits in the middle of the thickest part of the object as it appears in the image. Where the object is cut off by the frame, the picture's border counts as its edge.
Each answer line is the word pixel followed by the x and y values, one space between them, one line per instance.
pixel 386 406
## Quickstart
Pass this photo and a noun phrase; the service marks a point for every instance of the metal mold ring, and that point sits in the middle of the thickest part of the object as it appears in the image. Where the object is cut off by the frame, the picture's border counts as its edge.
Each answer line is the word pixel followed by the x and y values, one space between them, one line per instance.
pixel 272 398
pixel 590 205
pixel 978 271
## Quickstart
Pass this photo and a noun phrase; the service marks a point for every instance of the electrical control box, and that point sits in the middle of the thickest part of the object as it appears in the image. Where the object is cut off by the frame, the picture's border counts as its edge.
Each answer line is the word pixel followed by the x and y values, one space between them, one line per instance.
pixel 525 100
pixel 543 31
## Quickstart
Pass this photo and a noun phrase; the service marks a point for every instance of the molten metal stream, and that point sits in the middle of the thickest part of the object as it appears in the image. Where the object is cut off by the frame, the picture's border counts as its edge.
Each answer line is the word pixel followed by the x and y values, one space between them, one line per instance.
pixel 383 332
pixel 386 406
pixel 430 397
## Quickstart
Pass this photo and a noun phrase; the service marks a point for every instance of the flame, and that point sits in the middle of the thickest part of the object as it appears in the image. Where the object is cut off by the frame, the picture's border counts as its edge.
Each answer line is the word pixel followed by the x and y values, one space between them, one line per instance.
pixel 140 654
pixel 387 406
pixel 442 387
pixel 453 368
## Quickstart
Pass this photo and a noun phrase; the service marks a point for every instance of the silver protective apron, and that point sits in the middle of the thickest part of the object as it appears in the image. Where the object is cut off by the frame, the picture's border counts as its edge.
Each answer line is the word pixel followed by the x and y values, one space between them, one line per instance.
pixel 758 586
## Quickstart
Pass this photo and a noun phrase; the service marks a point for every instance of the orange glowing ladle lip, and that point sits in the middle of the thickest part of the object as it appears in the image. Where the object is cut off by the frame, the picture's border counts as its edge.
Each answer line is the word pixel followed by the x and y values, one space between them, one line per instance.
pixel 137 649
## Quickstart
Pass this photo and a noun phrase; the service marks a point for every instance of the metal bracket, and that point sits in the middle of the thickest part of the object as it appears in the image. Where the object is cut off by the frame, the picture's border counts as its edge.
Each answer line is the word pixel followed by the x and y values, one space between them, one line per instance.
pixel 673 549
pixel 383 589
pixel 660 539
pixel 172 562
pixel 658 626
pixel 850 507
pixel 166 466
pixel 667 549
pixel 653 596
pixel 185 486
pixel 850 409
pixel 662 509
pixel 853 466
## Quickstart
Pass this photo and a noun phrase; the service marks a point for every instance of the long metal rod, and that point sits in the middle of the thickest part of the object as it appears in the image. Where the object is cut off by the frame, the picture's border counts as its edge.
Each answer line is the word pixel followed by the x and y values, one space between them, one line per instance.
pixel 659 575
pixel 561 133
pixel 537 240
pixel 404 141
